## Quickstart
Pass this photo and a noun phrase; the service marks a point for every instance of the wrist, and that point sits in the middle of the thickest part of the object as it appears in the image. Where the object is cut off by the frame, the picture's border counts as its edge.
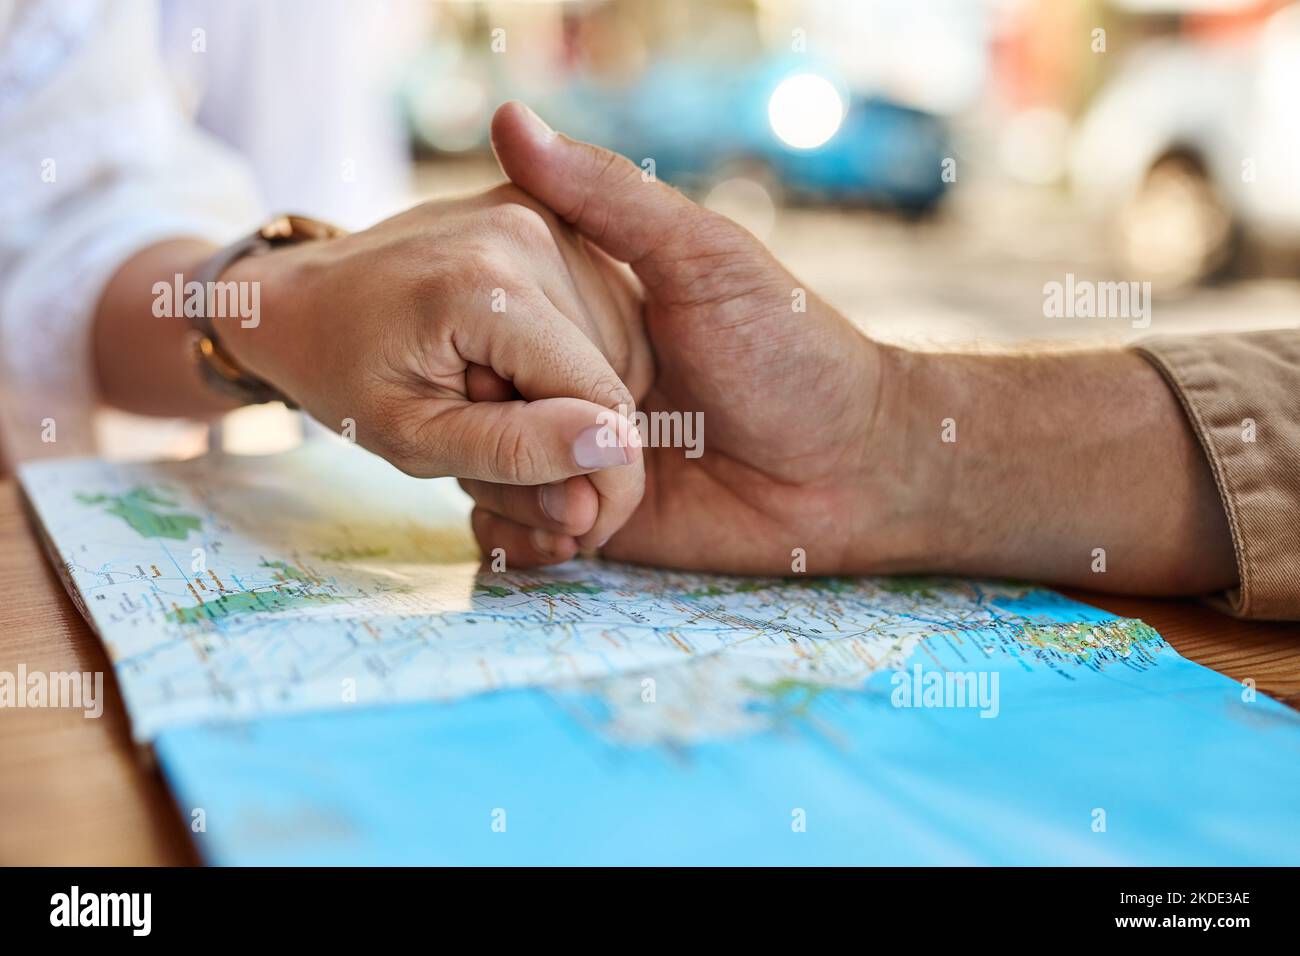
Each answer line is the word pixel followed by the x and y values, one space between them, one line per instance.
pixel 265 342
pixel 141 357
pixel 903 489
pixel 1032 465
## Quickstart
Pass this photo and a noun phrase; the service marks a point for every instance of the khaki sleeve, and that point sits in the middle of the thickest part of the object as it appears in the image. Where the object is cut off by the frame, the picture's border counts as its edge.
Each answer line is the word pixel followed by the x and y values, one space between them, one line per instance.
pixel 1241 393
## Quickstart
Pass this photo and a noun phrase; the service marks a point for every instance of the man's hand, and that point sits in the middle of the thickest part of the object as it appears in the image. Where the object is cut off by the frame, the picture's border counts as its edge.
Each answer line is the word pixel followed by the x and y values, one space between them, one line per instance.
pixel 1075 468
pixel 391 328
pixel 786 386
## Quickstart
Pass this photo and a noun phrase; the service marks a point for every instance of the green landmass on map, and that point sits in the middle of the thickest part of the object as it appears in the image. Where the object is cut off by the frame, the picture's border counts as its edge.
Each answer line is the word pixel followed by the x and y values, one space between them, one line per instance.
pixel 245 602
pixel 560 587
pixel 140 509
pixel 1083 638
pixel 493 590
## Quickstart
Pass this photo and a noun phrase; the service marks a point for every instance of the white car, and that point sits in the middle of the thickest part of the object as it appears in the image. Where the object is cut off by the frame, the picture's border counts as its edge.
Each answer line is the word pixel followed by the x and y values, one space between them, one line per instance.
pixel 1193 147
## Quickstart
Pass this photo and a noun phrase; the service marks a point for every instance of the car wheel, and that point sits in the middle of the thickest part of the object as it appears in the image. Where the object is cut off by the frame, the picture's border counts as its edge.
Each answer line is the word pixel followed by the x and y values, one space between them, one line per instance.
pixel 1177 230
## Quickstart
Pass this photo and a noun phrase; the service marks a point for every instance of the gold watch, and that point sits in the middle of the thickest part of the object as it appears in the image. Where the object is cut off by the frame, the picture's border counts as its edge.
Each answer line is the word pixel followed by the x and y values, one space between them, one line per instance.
pixel 219 370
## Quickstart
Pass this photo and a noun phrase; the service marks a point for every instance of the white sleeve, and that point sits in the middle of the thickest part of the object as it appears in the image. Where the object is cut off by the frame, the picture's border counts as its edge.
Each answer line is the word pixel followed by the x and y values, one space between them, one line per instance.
pixel 97 161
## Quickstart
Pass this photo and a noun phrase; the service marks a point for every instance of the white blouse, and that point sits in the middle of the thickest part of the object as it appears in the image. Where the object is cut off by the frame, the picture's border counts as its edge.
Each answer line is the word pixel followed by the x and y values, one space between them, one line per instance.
pixel 101 154
pixel 97 160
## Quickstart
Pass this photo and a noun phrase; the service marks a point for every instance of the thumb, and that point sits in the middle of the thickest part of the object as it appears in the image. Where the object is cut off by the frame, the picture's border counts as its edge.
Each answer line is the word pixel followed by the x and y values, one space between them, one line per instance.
pixel 602 195
pixel 522 443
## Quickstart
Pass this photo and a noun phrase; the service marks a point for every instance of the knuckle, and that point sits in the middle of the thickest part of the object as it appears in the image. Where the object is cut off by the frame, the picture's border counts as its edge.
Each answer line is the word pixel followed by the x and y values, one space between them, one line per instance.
pixel 607 168
pixel 610 392
pixel 608 176
pixel 519 222
pixel 504 193
pixel 515 459
pixel 481 267
pixel 712 230
pixel 485 261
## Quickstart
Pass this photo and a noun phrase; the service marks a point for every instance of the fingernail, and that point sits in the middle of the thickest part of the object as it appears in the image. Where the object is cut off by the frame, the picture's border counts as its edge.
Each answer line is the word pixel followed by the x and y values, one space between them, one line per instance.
pixel 595 447
pixel 553 500
pixel 543 541
pixel 539 125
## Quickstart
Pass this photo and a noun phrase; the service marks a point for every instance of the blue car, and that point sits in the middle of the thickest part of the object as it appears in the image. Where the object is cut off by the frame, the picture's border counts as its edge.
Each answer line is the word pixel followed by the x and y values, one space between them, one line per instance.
pixel 697 121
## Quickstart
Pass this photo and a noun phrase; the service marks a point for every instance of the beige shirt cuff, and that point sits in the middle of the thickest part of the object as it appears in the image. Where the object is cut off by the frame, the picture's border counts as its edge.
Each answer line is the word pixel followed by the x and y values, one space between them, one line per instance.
pixel 1241 393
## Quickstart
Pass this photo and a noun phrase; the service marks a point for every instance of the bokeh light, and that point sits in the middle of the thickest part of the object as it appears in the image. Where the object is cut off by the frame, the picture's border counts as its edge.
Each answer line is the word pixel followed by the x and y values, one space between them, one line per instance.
pixel 805 110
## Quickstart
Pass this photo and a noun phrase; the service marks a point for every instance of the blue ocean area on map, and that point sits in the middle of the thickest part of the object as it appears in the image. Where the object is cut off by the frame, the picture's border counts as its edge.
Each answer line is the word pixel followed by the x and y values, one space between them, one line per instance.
pixel 1152 775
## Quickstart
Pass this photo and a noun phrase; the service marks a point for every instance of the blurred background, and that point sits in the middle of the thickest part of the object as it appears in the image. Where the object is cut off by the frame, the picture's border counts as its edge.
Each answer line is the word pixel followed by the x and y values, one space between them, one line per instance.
pixel 925 165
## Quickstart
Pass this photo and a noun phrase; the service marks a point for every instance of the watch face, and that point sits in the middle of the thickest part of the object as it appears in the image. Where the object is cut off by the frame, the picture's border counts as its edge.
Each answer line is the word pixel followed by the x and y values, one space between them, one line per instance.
pixel 278 229
pixel 293 228
pixel 223 375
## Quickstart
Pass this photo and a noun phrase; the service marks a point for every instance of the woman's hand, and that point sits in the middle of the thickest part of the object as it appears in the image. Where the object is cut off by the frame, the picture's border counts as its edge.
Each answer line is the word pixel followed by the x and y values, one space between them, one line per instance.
pixel 385 333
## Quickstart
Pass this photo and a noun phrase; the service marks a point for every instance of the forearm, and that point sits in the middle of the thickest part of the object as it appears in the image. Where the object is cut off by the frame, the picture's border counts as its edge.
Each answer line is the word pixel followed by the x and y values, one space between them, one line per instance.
pixel 1052 467
pixel 140 358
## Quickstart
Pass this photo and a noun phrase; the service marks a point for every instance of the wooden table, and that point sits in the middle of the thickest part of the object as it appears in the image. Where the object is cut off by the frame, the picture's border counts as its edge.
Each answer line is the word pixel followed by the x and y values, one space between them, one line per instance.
pixel 77 791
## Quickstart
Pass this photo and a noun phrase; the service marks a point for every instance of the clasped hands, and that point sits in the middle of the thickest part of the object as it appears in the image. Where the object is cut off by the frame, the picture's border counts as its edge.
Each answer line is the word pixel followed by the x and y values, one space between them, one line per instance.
pixel 508 338
pixel 505 338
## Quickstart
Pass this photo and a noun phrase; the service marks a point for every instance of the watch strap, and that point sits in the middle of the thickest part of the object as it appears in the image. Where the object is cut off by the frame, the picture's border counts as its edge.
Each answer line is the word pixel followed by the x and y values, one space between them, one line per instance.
pixel 220 371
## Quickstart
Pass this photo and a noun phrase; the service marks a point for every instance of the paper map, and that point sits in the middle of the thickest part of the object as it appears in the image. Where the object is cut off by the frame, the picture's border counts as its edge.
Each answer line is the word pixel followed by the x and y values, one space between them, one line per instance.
pixel 328 675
